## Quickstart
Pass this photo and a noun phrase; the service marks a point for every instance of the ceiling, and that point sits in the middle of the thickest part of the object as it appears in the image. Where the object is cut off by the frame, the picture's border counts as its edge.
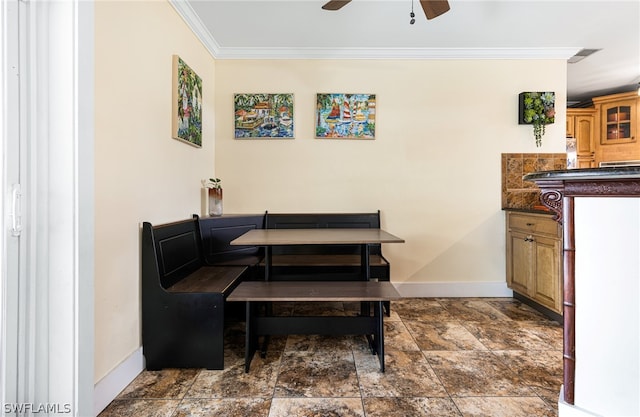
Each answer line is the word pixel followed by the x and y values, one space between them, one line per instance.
pixel 472 29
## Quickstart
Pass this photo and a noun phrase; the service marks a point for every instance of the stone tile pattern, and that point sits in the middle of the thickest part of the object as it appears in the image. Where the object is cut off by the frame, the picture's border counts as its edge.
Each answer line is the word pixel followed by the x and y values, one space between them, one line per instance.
pixel 520 194
pixel 444 357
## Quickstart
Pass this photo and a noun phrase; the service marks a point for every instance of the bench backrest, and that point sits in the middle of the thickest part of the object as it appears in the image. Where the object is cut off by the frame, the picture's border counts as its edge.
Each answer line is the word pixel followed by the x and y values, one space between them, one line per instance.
pixel 170 251
pixel 217 232
pixel 323 221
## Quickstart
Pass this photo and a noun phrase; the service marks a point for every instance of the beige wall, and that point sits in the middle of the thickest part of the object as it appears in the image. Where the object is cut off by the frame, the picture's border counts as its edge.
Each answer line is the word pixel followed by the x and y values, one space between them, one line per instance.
pixel 433 169
pixel 141 173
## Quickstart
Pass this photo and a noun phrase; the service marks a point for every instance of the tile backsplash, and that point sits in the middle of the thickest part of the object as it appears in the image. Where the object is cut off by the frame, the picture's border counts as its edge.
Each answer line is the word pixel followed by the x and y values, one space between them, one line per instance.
pixel 520 194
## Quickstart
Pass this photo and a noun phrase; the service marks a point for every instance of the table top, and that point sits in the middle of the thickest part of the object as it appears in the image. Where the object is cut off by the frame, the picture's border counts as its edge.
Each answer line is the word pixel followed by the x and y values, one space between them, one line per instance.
pixel 275 237
pixel 314 291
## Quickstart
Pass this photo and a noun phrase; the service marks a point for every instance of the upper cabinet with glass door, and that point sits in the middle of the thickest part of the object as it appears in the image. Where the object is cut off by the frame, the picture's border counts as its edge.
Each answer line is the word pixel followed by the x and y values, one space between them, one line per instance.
pixel 618 118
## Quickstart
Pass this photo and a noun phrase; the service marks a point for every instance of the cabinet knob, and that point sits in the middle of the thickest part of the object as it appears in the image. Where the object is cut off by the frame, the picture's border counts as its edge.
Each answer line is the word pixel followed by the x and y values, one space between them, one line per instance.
pixel 530 224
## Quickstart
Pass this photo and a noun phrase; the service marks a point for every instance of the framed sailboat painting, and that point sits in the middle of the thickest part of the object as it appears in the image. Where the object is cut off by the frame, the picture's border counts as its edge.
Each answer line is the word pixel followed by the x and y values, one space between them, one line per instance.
pixel 345 116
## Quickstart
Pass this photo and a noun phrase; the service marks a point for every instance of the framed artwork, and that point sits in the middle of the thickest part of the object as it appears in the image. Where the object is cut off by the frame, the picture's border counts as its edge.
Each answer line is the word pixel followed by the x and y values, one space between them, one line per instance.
pixel 346 116
pixel 186 119
pixel 263 116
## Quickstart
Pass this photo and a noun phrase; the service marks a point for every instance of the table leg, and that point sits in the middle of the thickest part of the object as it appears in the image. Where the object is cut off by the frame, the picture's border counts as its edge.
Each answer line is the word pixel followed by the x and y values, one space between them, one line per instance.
pixel 267 262
pixel 365 272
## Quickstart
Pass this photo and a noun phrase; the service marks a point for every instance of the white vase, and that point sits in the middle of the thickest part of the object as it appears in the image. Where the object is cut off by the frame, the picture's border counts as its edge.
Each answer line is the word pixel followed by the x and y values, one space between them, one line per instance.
pixel 215 201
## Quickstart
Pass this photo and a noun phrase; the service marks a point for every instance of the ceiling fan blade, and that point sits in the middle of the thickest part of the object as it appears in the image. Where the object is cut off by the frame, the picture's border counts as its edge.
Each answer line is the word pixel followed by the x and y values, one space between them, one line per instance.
pixel 335 4
pixel 434 8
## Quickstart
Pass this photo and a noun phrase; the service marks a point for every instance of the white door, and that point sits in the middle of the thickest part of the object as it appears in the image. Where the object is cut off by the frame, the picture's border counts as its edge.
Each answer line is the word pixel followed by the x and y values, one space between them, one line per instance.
pixel 46 175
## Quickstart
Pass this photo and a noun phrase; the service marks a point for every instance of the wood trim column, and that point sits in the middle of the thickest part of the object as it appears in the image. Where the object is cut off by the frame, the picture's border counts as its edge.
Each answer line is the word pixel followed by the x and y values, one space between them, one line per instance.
pixel 569 297
pixel 552 196
pixel 558 192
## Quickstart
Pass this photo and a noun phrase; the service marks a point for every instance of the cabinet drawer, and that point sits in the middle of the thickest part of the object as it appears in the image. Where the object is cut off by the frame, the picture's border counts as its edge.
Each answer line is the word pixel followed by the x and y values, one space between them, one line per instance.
pixel 531 223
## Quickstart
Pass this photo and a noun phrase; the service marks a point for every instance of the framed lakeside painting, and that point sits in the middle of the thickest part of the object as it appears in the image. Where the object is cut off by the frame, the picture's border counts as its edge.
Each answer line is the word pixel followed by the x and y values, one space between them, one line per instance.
pixel 263 116
pixel 345 116
pixel 186 119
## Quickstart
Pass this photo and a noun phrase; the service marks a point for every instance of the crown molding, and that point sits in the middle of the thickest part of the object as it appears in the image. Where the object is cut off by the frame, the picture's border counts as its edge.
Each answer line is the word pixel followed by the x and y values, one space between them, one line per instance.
pixel 395 53
pixel 193 21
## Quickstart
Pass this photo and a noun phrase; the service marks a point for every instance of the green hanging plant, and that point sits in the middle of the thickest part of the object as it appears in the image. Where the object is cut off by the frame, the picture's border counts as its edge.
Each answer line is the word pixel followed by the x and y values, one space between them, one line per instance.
pixel 537 109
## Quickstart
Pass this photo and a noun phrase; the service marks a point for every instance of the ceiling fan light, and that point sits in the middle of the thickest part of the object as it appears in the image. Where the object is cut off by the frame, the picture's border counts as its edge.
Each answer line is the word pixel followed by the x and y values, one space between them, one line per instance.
pixel 434 8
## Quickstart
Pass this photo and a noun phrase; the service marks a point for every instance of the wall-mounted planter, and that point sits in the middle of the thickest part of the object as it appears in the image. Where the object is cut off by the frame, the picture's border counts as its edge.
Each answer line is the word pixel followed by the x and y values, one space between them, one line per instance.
pixel 537 108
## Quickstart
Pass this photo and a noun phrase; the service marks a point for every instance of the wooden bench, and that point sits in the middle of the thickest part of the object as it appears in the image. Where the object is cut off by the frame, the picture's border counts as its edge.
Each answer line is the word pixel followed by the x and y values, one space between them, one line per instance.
pixel 314 291
pixel 183 298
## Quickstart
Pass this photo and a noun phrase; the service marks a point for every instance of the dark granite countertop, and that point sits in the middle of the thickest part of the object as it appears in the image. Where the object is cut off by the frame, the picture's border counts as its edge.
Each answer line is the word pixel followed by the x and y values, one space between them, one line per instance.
pixel 596 174
pixel 528 210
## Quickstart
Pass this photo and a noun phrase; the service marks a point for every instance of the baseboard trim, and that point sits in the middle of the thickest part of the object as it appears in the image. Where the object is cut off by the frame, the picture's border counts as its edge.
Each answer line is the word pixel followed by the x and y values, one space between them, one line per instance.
pixel 108 388
pixel 454 289
pixel 570 410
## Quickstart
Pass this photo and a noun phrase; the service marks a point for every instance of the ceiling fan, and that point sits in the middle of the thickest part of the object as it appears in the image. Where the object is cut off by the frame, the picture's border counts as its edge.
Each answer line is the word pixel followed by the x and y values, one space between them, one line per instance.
pixel 432 8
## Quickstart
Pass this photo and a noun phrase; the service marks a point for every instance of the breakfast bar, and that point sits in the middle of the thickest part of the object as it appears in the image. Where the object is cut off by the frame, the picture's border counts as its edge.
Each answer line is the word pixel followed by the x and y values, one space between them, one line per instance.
pixel 599 210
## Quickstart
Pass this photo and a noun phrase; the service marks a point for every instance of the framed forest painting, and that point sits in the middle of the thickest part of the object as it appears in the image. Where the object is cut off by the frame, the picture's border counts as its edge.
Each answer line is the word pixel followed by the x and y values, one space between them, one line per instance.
pixel 345 116
pixel 263 116
pixel 186 119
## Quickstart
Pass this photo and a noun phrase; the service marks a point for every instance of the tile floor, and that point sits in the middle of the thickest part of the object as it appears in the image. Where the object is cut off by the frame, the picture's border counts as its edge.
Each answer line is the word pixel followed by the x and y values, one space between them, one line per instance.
pixel 444 357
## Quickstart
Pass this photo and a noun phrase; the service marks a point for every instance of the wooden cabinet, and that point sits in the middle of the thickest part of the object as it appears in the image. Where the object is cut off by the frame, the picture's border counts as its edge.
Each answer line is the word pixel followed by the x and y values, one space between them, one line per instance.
pixel 534 258
pixel 581 126
pixel 617 118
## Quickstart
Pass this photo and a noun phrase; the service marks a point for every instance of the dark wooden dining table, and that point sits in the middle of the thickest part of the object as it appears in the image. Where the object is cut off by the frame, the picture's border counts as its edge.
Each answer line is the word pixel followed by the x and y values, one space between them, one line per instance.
pixel 363 291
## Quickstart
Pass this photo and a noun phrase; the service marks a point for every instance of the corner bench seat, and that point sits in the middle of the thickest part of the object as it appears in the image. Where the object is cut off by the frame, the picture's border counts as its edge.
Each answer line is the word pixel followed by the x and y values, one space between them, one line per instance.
pixel 183 298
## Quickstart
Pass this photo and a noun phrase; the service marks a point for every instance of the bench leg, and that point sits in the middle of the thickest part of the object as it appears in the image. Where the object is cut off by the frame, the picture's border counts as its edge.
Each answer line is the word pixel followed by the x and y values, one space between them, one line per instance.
pixel 379 314
pixel 251 339
pixel 268 311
